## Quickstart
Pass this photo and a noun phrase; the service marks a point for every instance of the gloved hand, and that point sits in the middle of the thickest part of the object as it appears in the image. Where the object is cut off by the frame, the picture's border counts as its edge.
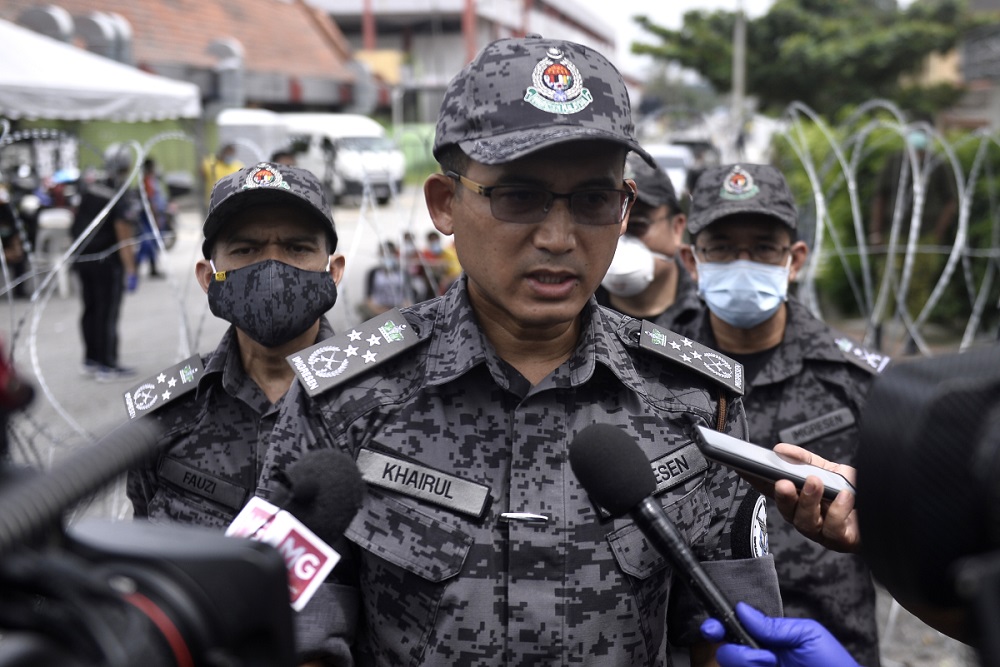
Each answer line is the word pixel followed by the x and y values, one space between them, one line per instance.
pixel 785 642
pixel 131 282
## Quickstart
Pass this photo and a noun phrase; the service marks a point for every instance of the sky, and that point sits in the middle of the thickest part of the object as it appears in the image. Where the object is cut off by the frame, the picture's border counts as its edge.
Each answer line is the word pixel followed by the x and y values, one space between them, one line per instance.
pixel 667 13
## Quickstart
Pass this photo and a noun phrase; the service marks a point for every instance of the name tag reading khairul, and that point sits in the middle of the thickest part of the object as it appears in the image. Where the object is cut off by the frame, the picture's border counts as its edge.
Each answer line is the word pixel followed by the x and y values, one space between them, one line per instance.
pixel 417 481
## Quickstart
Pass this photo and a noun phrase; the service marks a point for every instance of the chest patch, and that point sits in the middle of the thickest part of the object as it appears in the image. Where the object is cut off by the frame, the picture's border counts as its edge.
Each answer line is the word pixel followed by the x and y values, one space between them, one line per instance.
pixel 423 483
pixel 814 429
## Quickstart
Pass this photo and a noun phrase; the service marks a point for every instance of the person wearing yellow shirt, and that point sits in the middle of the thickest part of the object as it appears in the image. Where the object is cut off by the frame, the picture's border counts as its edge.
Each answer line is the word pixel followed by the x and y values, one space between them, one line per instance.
pixel 218 166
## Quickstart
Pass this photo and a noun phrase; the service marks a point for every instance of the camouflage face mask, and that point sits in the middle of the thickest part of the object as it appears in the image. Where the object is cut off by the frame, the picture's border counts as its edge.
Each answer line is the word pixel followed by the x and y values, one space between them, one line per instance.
pixel 271 301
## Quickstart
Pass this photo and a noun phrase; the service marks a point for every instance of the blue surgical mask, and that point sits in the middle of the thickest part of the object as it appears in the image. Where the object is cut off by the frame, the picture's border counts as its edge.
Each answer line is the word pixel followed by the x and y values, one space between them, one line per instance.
pixel 743 293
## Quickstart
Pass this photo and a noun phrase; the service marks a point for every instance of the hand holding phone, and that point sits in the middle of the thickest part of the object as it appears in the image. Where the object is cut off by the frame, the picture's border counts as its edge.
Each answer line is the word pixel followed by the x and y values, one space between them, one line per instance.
pixel 754 461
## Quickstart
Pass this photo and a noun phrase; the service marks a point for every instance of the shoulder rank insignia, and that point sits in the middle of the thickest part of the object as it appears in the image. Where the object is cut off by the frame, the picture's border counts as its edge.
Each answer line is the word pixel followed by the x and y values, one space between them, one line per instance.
pixel 168 385
pixel 873 362
pixel 343 356
pixel 702 360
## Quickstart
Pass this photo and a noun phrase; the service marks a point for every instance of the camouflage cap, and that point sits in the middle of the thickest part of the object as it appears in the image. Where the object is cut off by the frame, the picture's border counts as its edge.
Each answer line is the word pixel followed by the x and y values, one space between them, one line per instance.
pixel 655 187
pixel 740 188
pixel 520 95
pixel 267 183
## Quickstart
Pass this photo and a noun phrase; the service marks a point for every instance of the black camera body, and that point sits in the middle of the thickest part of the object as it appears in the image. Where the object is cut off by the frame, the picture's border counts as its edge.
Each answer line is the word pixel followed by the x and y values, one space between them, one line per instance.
pixel 150 595
pixel 929 492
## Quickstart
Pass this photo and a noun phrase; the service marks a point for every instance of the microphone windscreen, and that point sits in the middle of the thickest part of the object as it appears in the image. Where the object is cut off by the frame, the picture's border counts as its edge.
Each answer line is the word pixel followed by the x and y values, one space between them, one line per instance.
pixel 611 467
pixel 325 491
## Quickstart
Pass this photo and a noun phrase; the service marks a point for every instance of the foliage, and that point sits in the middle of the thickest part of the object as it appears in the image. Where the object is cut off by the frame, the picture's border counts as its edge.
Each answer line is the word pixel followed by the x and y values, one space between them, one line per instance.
pixel 824 53
pixel 839 279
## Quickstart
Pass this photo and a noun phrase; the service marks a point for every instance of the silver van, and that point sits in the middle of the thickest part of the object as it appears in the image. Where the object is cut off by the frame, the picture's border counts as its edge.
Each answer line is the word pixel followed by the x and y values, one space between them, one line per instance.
pixel 347 152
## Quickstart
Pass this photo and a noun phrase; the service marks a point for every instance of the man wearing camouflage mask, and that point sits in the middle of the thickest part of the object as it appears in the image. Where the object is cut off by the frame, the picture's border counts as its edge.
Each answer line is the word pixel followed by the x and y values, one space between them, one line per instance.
pixel 270 270
pixel 476 543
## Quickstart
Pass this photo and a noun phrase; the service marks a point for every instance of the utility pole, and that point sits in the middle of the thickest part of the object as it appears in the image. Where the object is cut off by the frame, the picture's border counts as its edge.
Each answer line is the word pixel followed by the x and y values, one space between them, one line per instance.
pixel 739 72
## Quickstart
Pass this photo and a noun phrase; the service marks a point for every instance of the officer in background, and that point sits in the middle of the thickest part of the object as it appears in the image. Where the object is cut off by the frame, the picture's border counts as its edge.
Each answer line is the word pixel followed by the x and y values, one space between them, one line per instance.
pixel 476 544
pixel 805 383
pixel 106 265
pixel 647 278
pixel 270 269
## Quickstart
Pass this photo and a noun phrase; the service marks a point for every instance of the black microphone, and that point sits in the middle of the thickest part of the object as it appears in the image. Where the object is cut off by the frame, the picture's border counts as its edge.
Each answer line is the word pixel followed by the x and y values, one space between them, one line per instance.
pixel 33 504
pixel 323 490
pixel 616 474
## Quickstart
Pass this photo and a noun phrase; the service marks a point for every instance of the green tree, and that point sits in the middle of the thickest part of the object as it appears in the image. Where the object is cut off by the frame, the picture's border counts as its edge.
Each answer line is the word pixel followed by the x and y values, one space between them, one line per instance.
pixel 823 53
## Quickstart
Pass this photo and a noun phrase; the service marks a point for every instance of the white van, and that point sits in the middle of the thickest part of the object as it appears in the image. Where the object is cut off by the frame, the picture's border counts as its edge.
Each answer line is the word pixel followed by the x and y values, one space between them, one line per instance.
pixel 347 151
pixel 256 133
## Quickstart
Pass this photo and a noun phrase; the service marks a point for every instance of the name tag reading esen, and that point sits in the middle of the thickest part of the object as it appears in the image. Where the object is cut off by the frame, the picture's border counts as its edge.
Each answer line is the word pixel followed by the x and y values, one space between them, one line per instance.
pixel 343 356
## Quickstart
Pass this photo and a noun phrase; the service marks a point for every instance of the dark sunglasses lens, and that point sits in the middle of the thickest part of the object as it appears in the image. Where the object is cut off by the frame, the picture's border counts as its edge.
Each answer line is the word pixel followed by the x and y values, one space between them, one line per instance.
pixel 518 204
pixel 598 207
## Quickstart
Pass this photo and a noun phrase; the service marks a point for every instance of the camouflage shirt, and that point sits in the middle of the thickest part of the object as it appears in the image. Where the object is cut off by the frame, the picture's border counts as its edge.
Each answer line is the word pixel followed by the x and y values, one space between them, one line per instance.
pixel 810 393
pixel 214 438
pixel 450 438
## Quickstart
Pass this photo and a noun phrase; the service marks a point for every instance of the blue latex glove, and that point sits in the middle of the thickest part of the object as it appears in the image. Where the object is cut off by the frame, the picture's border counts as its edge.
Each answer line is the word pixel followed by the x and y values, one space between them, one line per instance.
pixel 131 282
pixel 786 642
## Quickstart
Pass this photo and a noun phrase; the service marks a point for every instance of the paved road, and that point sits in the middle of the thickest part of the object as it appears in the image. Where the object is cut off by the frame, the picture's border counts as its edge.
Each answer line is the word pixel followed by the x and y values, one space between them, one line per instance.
pixel 166 320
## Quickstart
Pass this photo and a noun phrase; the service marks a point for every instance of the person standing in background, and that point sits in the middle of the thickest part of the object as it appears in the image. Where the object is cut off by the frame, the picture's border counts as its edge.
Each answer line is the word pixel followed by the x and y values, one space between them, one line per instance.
pixel 805 383
pixel 149 249
pixel 647 278
pixel 106 266
pixel 217 166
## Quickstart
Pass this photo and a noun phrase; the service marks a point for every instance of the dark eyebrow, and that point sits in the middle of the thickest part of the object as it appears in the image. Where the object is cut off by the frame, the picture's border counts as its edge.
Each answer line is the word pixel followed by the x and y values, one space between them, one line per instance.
pixel 515 180
pixel 255 241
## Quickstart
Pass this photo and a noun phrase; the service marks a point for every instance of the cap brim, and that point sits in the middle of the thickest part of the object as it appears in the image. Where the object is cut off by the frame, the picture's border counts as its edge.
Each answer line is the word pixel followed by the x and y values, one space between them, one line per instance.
pixel 718 212
pixel 504 148
pixel 649 200
pixel 218 218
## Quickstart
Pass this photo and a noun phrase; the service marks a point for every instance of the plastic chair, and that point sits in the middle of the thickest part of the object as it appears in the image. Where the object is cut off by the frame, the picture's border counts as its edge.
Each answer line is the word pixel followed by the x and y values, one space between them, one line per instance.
pixel 52 240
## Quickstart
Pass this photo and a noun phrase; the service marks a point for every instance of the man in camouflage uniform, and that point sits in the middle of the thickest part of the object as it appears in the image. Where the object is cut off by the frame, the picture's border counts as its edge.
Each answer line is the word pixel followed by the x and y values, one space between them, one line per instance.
pixel 805 383
pixel 269 268
pixel 647 278
pixel 476 544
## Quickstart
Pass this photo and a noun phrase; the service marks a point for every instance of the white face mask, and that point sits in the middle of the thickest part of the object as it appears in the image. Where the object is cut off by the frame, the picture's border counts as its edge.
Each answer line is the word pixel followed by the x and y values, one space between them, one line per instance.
pixel 631 270
pixel 743 293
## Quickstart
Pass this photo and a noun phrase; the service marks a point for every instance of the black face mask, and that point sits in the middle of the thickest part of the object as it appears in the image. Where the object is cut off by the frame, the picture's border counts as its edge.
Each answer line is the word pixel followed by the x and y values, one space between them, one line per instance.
pixel 271 301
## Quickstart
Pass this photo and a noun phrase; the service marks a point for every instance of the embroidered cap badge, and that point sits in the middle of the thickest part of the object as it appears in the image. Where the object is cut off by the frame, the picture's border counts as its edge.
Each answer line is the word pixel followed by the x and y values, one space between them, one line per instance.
pixel 557 86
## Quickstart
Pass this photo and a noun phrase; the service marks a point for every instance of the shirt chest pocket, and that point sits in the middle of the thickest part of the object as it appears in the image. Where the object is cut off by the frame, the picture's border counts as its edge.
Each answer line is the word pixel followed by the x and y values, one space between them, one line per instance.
pixel 400 532
pixel 690 513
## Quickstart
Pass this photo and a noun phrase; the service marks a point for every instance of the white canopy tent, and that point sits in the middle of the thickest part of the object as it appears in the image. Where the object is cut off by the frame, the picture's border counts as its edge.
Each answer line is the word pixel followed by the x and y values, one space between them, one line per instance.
pixel 48 79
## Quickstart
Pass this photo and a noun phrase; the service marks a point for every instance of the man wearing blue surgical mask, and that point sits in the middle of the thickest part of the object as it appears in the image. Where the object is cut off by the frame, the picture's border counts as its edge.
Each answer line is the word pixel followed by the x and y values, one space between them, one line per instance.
pixel 805 383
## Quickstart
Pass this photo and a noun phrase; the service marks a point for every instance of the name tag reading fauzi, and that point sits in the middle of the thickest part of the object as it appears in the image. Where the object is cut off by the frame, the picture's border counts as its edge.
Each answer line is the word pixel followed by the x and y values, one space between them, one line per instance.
pixel 417 481
pixel 200 484
pixel 334 360
pixel 815 429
